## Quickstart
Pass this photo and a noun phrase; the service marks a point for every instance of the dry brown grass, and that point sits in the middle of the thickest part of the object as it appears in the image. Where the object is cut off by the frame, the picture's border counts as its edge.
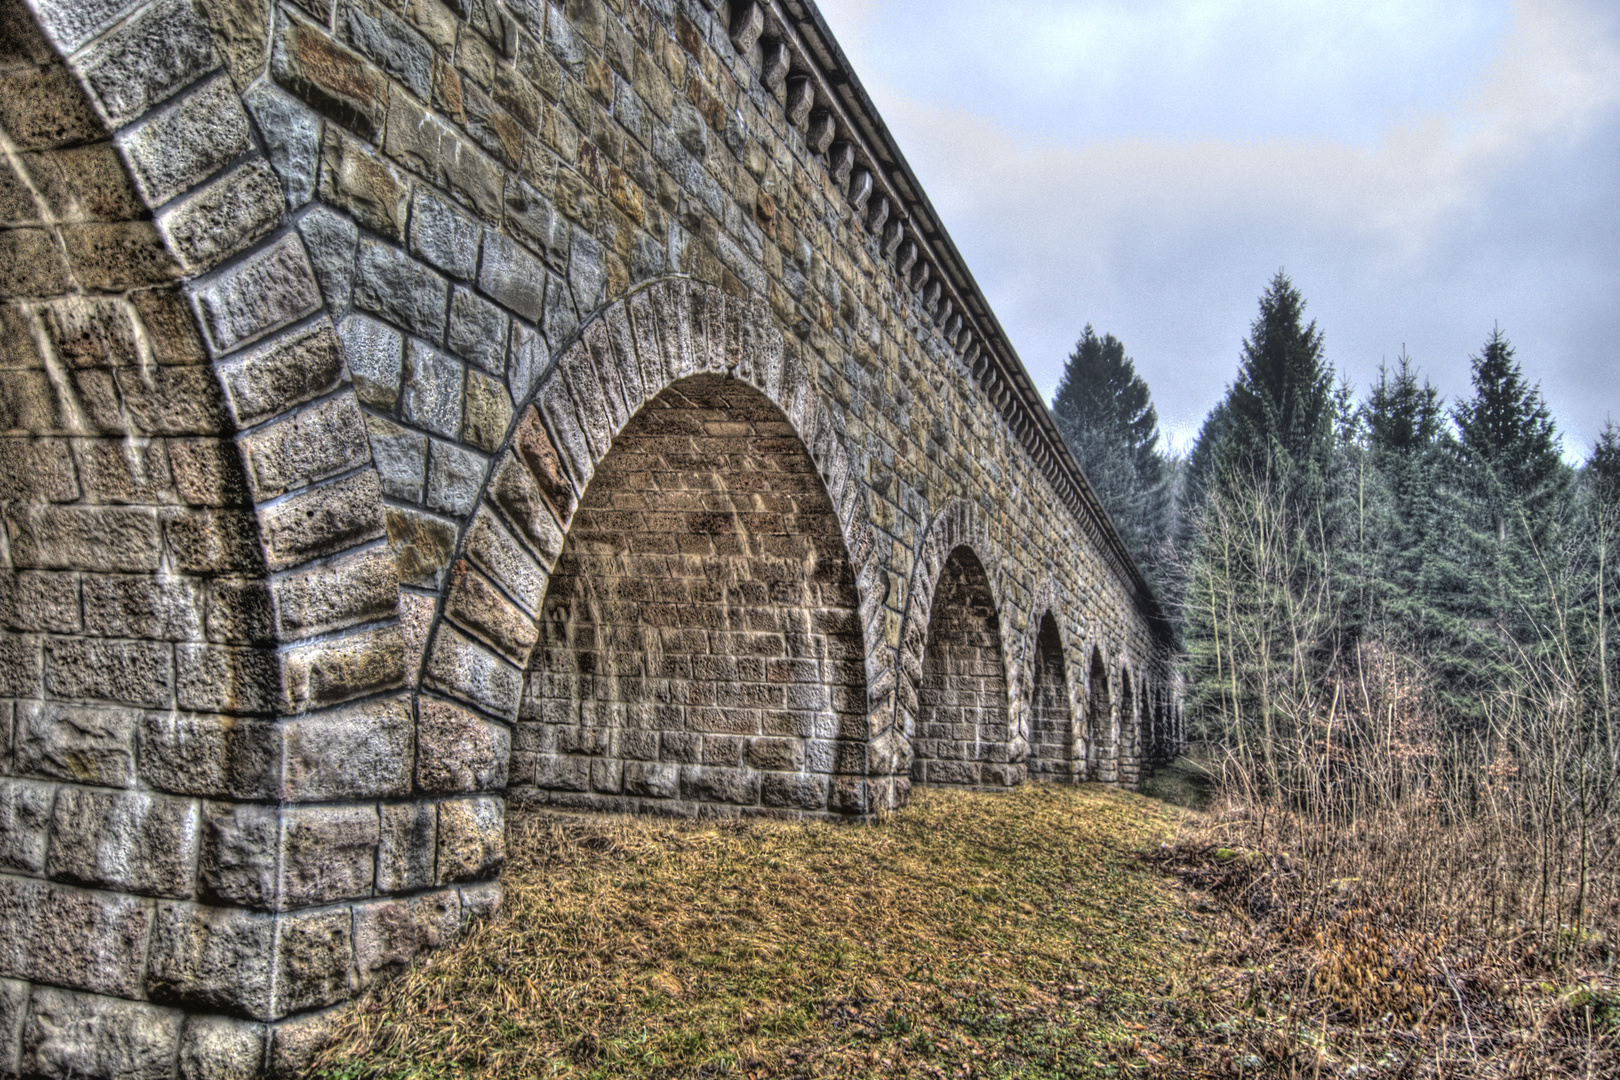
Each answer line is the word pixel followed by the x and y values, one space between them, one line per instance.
pixel 968 935
pixel 1375 950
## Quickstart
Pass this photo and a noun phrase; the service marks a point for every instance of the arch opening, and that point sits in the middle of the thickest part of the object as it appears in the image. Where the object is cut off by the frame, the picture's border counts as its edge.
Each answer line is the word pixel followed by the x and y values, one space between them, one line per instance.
pixel 1099 710
pixel 1126 745
pixel 1051 750
pixel 700 646
pixel 962 732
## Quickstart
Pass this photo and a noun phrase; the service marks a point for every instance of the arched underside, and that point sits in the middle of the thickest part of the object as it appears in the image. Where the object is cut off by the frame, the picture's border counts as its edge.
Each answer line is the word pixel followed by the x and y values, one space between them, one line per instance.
pixel 700 644
pixel 962 734
pixel 1051 744
pixel 1099 718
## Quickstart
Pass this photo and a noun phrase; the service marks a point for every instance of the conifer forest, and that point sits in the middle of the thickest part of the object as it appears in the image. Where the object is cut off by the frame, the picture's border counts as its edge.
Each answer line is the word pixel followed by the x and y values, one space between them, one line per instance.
pixel 1396 606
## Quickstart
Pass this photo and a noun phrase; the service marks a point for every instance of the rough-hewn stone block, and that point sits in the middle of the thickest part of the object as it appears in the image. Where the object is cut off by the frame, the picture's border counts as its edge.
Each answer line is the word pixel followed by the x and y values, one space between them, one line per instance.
pixel 214 959
pixel 306 447
pixel 458 751
pixel 283 374
pixel 472 839
pixel 327 854
pixel 225 217
pixel 128 840
pixel 374 351
pixel 359 752
pixel 209 755
pixel 145 61
pixel 80 743
pixel 335 80
pixel 406 846
pixel 25 817
pixel 403 291
pixel 339 669
pixel 180 146
pixel 219 1048
pixel 468 671
pixel 323 521
pixel 104 539
pixel 291 136
pixel 73 1035
pixel 357 181
pixel 264 292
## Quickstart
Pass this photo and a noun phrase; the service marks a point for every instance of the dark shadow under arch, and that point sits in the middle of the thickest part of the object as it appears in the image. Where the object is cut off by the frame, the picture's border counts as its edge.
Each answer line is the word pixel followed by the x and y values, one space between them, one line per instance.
pixel 1051 742
pixel 962 733
pixel 700 647
pixel 1099 710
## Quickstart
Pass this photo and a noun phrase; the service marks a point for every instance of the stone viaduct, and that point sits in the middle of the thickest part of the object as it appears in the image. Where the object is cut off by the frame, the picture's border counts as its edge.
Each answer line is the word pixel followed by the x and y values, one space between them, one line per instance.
pixel 410 408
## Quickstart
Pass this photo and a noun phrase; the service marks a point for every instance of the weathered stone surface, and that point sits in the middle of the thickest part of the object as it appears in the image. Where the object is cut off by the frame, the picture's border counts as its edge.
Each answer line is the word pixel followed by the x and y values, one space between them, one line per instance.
pixel 443 237
pixel 327 854
pixel 306 447
pixel 314 958
pixel 291 136
pixel 182 145
pixel 219 1048
pixel 213 959
pixel 406 846
pixel 222 679
pixel 421 545
pixel 81 743
pixel 384 939
pixel 401 290
pixel 392 45
pixel 458 751
pixel 359 752
pixel 168 609
pixel 140 64
pixel 334 80
pixel 433 390
pixel 103 539
pixel 477 330
pixel 224 217
pixel 453 479
pixel 400 456
pixel 264 292
pixel 357 589
pixel 25 817
pixel 295 1042
pixel 130 841
pixel 132 672
pixel 13 1011
pixel 209 755
pixel 472 839
pixel 375 353
pixel 357 181
pixel 338 669
pixel 323 521
pixel 240 847
pixel 331 241
pixel 116 255
pixel 491 547
pixel 74 1035
pixel 20 666
pixel 487 415
pixel 470 672
pixel 428 146
pixel 76 938
pixel 71 24
pixel 32 264
pixel 512 277
pixel 40 471
pixel 283 374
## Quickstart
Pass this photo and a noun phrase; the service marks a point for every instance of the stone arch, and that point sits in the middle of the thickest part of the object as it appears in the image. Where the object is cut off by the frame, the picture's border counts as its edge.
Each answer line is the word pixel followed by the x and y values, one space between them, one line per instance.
pixel 699 646
pixel 1127 728
pixel 487 623
pixel 964 731
pixel 1099 719
pixel 1052 736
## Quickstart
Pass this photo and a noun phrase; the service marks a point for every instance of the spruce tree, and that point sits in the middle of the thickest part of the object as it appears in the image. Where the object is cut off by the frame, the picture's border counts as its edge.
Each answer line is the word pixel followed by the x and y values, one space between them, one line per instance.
pixel 1105 412
pixel 1508 491
pixel 1408 443
pixel 1281 408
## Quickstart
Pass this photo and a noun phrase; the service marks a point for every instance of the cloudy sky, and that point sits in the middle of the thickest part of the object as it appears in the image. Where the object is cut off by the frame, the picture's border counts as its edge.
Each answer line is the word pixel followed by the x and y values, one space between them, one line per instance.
pixel 1422 169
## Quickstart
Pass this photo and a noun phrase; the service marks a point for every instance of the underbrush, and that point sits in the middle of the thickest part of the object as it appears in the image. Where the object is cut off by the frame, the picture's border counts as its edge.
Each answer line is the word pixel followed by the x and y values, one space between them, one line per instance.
pixel 1396 947
pixel 982 935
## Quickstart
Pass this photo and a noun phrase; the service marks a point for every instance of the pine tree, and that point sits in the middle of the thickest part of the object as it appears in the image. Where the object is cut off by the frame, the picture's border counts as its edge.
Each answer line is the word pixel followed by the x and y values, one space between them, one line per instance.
pixel 1105 412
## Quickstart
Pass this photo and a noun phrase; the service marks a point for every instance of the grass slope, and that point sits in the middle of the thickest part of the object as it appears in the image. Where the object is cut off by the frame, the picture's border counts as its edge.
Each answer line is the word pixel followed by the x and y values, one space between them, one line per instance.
pixel 968 935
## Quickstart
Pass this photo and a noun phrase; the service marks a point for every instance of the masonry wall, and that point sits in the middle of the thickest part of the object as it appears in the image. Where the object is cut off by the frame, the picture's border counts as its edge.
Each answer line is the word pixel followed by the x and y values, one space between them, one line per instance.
pixel 410 406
